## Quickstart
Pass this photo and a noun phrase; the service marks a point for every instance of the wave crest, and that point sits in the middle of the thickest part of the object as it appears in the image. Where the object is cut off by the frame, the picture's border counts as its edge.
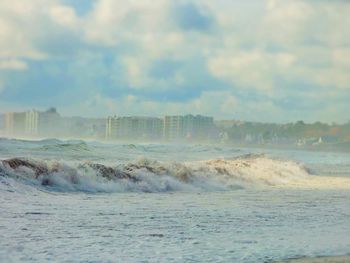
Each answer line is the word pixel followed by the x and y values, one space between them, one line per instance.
pixel 153 176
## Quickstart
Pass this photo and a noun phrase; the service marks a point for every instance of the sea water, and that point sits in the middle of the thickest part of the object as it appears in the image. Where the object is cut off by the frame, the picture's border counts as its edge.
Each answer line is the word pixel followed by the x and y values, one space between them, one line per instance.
pixel 170 203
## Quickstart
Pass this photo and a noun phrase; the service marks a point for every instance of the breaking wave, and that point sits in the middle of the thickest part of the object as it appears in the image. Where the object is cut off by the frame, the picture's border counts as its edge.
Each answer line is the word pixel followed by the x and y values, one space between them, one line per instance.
pixel 67 147
pixel 147 175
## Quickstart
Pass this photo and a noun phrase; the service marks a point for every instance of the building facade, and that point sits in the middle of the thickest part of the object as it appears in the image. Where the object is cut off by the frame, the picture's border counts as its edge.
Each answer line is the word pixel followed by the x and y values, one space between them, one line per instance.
pixel 33 123
pixel 173 127
pixel 133 128
pixel 15 123
pixel 188 127
pixel 49 123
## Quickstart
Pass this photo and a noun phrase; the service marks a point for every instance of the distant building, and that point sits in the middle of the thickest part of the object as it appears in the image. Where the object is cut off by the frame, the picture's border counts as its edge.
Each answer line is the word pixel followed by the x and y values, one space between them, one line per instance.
pixel 147 127
pixel 33 123
pixel 49 123
pixel 110 127
pixel 15 123
pixel 133 128
pixel 203 127
pixel 79 127
pixel 188 127
pixel 173 127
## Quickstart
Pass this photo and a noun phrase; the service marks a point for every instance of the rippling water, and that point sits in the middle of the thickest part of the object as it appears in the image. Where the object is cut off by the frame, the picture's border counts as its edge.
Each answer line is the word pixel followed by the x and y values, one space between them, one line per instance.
pixel 75 201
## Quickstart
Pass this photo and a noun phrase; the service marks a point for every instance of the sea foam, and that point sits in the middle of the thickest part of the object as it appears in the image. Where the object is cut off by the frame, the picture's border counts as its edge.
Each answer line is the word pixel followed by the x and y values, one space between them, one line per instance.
pixel 147 175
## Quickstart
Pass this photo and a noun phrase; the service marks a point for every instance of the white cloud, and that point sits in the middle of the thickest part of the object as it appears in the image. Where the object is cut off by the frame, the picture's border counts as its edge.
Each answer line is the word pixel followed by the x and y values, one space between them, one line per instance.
pixel 251 45
pixel 286 22
pixel 141 106
pixel 220 104
pixel 112 21
pixel 12 64
pixel 136 71
pixel 24 24
pixel 18 22
pixel 251 69
pixel 294 40
pixel 64 16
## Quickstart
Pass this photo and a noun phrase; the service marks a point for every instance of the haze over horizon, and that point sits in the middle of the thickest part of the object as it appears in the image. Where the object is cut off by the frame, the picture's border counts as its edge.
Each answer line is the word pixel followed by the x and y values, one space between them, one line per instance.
pixel 162 115
pixel 268 61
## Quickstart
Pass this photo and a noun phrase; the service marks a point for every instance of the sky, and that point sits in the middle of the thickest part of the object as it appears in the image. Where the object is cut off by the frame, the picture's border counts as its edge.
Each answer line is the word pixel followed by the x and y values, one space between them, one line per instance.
pixel 270 61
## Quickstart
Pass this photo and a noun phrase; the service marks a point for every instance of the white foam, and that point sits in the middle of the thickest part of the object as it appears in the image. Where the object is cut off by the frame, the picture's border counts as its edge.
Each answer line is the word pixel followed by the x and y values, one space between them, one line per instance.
pixel 153 176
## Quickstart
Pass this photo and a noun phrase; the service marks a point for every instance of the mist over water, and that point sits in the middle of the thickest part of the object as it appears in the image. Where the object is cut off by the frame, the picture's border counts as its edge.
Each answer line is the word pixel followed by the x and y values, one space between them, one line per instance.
pixel 169 203
pixel 190 131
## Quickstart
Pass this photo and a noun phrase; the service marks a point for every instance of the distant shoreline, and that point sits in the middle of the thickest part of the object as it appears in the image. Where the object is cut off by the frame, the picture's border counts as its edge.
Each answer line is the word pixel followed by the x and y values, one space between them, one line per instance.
pixel 337 259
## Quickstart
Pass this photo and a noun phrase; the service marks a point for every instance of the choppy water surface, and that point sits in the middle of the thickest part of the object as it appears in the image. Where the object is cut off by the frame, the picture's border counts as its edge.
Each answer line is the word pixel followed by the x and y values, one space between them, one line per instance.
pixel 75 201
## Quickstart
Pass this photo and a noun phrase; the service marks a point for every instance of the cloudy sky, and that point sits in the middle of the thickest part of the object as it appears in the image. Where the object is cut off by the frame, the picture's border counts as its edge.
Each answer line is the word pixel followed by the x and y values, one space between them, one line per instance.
pixel 273 60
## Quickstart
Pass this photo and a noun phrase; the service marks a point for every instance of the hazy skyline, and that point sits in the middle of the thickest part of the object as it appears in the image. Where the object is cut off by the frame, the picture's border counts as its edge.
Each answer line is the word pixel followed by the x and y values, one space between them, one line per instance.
pixel 274 61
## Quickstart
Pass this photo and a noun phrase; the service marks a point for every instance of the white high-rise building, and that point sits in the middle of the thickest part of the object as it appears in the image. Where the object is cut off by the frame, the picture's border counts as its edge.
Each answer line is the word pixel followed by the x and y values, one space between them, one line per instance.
pixel 187 127
pixel 15 123
pixel 32 122
pixel 173 127
pixel 133 128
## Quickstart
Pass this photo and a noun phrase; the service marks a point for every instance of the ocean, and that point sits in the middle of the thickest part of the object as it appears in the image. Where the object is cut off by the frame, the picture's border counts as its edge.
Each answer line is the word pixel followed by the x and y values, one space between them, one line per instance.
pixel 78 201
